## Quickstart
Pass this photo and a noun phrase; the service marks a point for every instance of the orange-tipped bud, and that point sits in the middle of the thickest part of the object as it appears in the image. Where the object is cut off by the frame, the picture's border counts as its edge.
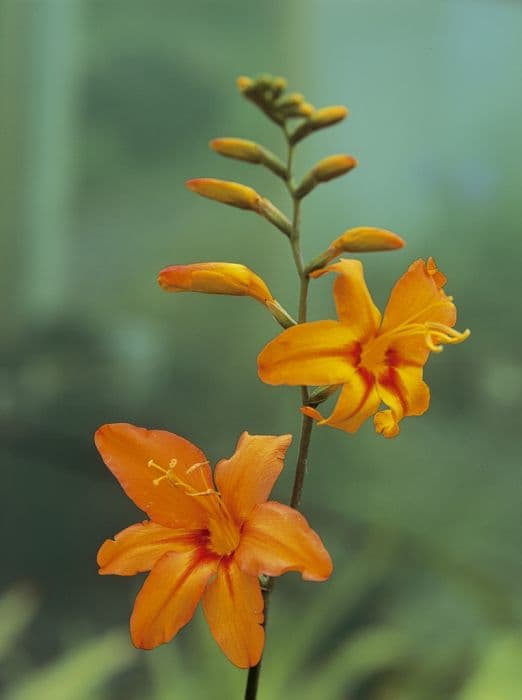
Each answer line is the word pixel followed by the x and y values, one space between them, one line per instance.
pixel 278 86
pixel 291 100
pixel 306 109
pixel 242 149
pixel 244 83
pixel 326 169
pixel 333 166
pixel 319 119
pixel 366 239
pixel 232 193
pixel 326 116
pixel 215 278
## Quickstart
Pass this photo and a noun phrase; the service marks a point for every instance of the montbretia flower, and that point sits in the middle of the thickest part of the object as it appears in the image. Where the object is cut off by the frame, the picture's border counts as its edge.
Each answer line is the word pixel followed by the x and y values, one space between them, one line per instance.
pixel 377 361
pixel 204 541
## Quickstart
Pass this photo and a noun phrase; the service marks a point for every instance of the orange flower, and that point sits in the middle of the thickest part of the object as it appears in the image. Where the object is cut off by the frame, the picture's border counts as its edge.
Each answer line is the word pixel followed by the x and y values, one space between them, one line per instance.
pixel 376 361
pixel 204 543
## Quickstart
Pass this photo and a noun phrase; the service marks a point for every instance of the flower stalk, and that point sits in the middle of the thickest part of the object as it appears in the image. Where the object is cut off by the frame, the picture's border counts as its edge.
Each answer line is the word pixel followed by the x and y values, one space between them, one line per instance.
pixel 306 422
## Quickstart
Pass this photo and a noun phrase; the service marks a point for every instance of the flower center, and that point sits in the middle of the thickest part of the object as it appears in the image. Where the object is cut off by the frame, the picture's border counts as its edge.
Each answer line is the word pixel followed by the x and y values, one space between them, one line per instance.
pixel 224 535
pixel 223 532
pixel 434 334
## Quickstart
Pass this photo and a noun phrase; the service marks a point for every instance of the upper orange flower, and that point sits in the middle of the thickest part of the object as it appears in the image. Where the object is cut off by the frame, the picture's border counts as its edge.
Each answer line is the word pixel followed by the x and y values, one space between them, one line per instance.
pixel 376 361
pixel 204 543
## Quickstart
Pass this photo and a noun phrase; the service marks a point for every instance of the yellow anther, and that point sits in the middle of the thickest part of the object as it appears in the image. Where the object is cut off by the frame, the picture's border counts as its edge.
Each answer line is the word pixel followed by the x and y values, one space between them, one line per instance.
pixel 152 463
pixel 198 465
pixel 432 345
pixel 208 492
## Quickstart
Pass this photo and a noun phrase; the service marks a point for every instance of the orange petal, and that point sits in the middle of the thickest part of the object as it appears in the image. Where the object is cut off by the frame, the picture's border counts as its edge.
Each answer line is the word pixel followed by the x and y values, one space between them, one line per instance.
pixel 138 548
pixel 357 402
pixel 214 278
pixel 354 303
pixel 247 478
pixel 321 352
pixel 405 392
pixel 169 597
pixel 418 297
pixel 385 424
pixel 276 539
pixel 233 605
pixel 127 451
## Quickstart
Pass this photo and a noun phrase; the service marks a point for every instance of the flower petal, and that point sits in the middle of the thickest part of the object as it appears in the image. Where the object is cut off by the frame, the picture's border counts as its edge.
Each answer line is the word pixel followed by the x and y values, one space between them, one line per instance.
pixel 276 539
pixel 214 278
pixel 357 402
pixel 169 597
pixel 233 605
pixel 248 477
pixel 128 451
pixel 321 352
pixel 355 306
pixel 418 297
pixel 405 392
pixel 138 548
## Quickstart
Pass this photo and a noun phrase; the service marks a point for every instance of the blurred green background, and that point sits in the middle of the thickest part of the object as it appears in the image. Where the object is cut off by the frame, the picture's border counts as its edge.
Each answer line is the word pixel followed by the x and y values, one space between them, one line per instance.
pixel 106 109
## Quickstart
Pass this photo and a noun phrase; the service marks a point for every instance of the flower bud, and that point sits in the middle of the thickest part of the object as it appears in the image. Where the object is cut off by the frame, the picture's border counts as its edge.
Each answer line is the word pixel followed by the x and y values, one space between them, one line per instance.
pixel 364 239
pixel 326 169
pixel 291 100
pixel 305 109
pixel 319 119
pixel 215 278
pixel 240 196
pixel 244 83
pixel 327 116
pixel 232 193
pixel 238 148
pixel 333 166
pixel 278 86
pixel 249 151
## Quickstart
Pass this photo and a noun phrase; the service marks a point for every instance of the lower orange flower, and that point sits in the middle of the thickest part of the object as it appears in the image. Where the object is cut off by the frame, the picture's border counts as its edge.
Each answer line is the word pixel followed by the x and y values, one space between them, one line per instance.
pixel 202 542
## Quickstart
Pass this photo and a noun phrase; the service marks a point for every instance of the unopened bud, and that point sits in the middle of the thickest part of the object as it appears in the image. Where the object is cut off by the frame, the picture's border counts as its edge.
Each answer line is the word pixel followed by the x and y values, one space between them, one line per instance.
pixel 319 119
pixel 364 239
pixel 333 166
pixel 241 196
pixel 291 100
pixel 367 239
pixel 242 149
pixel 306 109
pixel 278 86
pixel 327 169
pixel 215 278
pixel 249 151
pixel 244 83
pixel 327 116
pixel 232 193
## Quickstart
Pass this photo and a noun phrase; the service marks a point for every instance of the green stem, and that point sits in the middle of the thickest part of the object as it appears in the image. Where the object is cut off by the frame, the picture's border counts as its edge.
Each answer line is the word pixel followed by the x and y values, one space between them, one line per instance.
pixel 255 671
pixel 306 423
